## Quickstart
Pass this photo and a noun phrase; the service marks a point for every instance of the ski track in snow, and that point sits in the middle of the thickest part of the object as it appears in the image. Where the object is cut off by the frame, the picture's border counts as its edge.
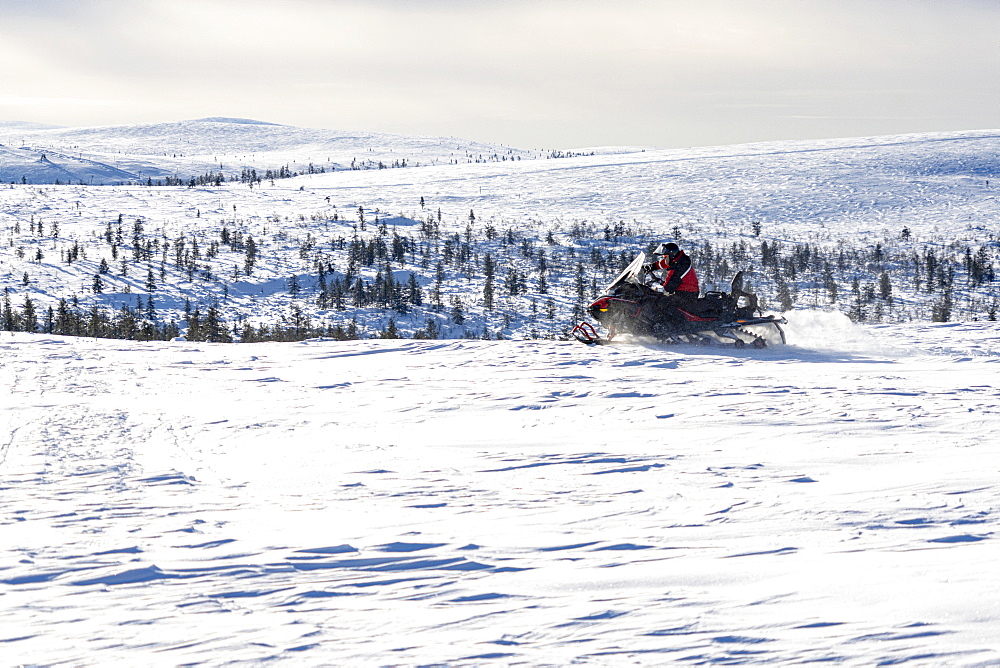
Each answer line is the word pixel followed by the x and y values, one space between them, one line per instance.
pixel 472 502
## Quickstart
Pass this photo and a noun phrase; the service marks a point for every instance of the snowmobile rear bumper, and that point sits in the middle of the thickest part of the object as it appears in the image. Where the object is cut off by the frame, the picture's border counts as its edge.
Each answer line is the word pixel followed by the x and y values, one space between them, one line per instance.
pixel 773 320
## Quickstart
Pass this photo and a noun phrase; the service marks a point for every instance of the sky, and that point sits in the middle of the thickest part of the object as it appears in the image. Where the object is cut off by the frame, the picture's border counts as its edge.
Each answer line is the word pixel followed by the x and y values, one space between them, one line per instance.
pixel 533 74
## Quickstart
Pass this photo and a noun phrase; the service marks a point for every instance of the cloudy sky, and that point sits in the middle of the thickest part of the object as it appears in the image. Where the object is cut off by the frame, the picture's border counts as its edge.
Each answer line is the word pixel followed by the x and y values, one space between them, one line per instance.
pixel 537 73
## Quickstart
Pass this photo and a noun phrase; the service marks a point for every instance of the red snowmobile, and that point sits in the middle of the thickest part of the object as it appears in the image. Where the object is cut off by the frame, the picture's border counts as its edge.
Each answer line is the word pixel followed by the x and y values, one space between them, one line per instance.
pixel 629 305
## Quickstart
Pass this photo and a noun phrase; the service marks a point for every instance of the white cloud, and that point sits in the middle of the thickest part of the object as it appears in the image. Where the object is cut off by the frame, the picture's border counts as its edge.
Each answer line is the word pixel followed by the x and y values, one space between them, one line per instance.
pixel 545 72
pixel 14 101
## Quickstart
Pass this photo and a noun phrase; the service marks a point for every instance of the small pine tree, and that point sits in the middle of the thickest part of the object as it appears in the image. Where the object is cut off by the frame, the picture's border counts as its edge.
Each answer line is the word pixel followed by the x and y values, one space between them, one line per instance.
pixel 251 255
pixel 941 311
pixel 390 331
pixel 885 287
pixel 414 294
pixel 457 313
pixel 513 282
pixel 784 293
pixel 438 282
pixel 29 317
pixel 8 312
pixel 488 270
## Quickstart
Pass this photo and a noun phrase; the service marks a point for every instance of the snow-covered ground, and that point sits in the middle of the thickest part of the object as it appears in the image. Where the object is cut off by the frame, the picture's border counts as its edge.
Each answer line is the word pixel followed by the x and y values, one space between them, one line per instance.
pixel 183 149
pixel 502 502
pixel 846 194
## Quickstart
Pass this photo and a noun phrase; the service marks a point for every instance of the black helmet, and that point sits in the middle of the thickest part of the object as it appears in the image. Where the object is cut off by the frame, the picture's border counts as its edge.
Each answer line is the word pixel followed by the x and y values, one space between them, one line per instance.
pixel 671 249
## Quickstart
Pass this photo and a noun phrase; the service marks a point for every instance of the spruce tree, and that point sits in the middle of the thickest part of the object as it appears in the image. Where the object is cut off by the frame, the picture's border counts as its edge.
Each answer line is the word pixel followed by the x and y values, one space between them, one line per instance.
pixel 390 331
pixel 29 318
pixel 457 313
pixel 885 287
pixel 8 312
pixel 785 299
pixel 414 294
pixel 579 282
pixel 251 255
pixel 488 270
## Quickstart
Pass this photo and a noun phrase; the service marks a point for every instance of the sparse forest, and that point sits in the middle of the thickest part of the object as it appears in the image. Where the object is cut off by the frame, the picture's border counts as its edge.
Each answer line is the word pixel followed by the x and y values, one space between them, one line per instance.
pixel 360 272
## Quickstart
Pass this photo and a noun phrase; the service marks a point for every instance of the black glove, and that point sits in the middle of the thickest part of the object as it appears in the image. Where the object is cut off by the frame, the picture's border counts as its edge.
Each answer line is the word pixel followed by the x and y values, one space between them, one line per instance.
pixel 649 266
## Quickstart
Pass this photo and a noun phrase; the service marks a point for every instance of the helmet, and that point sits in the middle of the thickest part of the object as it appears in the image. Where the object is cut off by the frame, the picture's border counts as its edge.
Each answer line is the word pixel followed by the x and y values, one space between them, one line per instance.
pixel 663 248
pixel 671 249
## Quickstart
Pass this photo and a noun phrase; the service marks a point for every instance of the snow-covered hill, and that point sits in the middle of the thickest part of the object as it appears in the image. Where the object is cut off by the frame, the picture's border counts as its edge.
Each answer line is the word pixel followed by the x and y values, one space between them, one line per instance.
pixel 468 502
pixel 508 502
pixel 186 149
pixel 887 229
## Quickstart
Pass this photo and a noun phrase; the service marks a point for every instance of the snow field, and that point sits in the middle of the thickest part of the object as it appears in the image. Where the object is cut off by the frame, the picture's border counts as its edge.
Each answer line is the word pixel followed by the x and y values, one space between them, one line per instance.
pixel 473 502
pixel 185 149
pixel 470 502
pixel 859 192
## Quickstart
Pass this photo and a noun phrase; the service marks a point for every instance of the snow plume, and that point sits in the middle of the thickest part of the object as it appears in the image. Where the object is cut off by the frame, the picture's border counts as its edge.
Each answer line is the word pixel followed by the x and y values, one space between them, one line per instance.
pixel 830 331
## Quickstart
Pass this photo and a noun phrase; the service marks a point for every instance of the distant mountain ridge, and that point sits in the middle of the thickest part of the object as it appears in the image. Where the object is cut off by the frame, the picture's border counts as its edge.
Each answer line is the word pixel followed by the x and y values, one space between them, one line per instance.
pixel 185 149
pixel 226 119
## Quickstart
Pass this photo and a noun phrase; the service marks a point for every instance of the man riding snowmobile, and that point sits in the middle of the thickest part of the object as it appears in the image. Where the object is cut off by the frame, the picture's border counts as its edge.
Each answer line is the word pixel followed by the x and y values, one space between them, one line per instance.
pixel 680 279
pixel 679 282
pixel 636 303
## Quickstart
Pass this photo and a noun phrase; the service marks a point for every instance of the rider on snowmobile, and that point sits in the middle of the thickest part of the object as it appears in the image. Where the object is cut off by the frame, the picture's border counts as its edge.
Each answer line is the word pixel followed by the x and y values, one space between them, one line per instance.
pixel 680 279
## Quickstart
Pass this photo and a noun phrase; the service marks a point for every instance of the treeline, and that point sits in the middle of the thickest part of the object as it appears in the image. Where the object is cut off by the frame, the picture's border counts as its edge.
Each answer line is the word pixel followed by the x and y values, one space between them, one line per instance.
pixel 68 319
pixel 885 282
pixel 246 176
pixel 250 175
pixel 140 324
pixel 469 277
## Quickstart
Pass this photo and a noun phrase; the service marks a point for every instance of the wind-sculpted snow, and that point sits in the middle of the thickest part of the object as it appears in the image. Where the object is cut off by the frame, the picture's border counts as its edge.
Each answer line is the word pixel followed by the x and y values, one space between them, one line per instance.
pixel 866 187
pixel 497 502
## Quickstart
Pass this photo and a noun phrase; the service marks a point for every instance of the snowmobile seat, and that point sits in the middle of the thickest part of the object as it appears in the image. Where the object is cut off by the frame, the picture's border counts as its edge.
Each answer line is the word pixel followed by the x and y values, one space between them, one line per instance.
pixel 712 305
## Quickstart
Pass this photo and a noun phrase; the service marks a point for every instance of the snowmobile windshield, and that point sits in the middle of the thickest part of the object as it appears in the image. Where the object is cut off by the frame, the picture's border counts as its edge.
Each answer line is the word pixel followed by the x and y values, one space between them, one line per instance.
pixel 629 275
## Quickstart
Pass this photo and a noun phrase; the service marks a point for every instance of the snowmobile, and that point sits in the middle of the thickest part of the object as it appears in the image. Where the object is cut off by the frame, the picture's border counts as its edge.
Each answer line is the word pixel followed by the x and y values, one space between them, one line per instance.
pixel 629 305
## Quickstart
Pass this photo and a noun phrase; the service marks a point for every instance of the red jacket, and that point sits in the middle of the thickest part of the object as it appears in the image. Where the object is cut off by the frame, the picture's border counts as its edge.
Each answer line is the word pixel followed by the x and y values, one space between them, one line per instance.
pixel 680 276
